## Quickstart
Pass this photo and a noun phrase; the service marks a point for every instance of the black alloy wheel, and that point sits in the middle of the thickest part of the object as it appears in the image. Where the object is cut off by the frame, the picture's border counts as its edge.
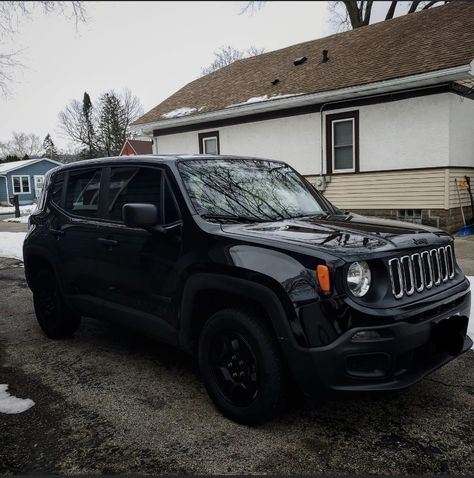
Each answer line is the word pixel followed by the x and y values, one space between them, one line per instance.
pixel 241 366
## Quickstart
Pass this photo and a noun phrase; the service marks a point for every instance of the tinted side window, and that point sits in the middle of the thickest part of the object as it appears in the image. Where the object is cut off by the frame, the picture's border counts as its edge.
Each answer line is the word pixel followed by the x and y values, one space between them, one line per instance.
pixel 57 188
pixel 133 185
pixel 82 196
pixel 171 210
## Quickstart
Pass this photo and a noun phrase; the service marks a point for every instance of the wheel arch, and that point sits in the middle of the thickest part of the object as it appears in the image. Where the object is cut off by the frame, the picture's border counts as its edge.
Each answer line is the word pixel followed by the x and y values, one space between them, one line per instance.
pixel 205 293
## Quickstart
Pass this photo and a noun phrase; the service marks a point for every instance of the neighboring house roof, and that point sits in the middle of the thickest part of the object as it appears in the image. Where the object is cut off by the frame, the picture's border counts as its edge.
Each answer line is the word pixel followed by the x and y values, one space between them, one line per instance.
pixel 11 166
pixel 439 38
pixel 139 146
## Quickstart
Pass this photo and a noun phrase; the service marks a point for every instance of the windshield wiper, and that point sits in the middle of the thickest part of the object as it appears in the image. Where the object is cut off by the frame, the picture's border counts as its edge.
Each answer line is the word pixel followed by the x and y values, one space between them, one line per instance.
pixel 231 217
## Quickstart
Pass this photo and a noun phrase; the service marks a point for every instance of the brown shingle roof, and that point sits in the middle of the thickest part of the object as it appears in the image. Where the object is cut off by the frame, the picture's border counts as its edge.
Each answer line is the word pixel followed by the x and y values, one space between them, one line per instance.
pixel 434 39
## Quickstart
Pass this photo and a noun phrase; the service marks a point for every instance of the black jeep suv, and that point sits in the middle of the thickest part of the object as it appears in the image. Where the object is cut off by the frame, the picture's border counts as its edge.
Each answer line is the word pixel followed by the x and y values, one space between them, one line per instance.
pixel 241 262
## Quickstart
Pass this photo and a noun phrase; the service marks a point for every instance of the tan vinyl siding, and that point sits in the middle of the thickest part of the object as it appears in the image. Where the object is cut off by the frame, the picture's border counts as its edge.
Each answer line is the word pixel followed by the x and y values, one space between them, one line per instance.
pixel 459 174
pixel 412 189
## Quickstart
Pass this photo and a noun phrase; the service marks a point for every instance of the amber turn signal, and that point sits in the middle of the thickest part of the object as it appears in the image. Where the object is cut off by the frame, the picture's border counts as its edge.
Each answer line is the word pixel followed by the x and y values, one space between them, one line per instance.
pixel 324 281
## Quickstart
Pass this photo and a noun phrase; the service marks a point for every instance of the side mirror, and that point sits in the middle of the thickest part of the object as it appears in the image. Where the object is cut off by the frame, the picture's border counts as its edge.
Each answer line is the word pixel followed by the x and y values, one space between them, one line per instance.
pixel 140 215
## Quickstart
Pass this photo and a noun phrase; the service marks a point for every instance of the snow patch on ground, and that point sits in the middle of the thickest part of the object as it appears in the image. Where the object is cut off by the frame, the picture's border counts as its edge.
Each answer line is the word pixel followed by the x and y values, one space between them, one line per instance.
pixel 23 209
pixel 21 219
pixel 259 99
pixel 177 113
pixel 11 404
pixel 11 244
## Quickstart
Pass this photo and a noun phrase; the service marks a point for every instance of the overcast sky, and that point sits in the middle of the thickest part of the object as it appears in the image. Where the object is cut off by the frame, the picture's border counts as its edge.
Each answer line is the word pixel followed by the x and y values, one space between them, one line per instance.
pixel 153 48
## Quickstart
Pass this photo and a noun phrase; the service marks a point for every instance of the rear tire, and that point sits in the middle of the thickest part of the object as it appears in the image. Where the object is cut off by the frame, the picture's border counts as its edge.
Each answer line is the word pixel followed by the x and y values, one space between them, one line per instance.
pixel 55 318
pixel 241 367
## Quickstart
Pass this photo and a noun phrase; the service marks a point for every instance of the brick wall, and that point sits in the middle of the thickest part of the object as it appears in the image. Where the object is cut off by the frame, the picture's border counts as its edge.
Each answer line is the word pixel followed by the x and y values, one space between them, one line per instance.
pixel 447 219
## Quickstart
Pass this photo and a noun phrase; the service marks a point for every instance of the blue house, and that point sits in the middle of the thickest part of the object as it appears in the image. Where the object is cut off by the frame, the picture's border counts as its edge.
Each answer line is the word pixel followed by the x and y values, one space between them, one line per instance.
pixel 24 178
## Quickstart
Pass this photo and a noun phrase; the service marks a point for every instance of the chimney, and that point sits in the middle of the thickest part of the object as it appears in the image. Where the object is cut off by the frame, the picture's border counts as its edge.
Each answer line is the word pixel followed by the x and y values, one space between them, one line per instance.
pixel 325 56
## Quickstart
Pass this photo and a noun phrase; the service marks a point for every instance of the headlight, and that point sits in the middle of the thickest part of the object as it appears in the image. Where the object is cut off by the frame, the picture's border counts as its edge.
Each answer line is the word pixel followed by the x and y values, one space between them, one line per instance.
pixel 358 278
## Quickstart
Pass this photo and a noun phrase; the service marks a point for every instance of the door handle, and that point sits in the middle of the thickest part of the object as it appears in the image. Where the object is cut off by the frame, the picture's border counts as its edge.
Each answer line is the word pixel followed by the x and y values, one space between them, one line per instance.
pixel 108 242
pixel 57 232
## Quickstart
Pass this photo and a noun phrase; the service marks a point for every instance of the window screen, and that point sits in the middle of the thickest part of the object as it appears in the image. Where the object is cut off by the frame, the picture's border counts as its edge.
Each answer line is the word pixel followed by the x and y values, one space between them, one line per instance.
pixel 82 196
pixel 133 185
pixel 343 144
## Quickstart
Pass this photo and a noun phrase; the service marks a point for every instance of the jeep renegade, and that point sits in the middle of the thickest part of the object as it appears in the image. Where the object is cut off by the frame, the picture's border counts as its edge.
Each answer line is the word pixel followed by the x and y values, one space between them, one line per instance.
pixel 242 263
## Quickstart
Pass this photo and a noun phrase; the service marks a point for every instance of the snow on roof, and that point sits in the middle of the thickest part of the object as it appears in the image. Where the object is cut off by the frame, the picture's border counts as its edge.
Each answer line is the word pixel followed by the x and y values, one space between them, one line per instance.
pixel 184 111
pixel 258 99
pixel 7 167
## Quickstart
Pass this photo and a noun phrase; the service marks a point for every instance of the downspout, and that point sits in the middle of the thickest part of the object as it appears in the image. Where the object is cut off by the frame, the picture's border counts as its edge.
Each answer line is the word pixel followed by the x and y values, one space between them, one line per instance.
pixel 6 188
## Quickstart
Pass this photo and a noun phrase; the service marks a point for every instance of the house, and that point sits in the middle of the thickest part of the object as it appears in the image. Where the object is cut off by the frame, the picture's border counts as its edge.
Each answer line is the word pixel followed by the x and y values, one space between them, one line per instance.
pixel 23 178
pixel 380 118
pixel 133 147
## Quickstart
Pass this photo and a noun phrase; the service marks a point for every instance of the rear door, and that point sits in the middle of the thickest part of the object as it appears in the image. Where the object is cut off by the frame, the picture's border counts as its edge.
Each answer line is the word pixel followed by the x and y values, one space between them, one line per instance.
pixel 136 265
pixel 76 225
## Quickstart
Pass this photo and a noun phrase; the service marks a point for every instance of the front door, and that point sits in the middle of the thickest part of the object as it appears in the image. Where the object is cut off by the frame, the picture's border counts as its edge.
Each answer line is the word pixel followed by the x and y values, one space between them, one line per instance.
pixel 136 265
pixel 39 182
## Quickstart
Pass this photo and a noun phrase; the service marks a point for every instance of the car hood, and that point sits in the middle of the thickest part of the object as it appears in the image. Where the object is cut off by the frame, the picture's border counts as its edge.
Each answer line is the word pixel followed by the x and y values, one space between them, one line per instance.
pixel 343 233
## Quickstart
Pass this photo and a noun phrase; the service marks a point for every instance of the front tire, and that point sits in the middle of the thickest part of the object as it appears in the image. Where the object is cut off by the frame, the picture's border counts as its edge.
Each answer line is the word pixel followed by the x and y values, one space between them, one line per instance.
pixel 241 367
pixel 55 318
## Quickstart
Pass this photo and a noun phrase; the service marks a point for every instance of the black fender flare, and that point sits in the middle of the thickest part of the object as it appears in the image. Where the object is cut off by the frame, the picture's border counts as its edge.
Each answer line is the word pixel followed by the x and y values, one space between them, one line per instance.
pixel 42 252
pixel 256 292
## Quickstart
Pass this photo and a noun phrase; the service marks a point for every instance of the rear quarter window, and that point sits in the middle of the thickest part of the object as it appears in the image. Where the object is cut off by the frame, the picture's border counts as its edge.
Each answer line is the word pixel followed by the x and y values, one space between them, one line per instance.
pixel 57 188
pixel 82 193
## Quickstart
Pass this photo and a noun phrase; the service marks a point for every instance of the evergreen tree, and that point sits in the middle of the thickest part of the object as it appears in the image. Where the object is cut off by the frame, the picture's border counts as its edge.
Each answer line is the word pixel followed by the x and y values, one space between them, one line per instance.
pixel 112 124
pixel 25 157
pixel 49 147
pixel 87 111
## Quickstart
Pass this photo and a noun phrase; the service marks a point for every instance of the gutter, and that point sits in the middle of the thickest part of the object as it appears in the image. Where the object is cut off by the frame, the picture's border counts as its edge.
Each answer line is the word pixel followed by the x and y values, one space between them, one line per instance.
pixel 413 81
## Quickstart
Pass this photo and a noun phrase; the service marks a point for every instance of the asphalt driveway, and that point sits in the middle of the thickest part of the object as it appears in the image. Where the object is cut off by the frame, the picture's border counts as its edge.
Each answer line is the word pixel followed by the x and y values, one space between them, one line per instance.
pixel 109 401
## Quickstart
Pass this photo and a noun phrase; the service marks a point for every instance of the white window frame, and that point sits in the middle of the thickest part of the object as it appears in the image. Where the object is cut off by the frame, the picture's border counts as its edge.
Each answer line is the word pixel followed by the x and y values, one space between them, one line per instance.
pixel 210 138
pixel 333 155
pixel 21 183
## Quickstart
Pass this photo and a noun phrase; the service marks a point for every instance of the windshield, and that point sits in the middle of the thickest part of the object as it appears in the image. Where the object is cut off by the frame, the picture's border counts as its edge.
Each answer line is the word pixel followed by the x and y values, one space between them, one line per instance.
pixel 248 189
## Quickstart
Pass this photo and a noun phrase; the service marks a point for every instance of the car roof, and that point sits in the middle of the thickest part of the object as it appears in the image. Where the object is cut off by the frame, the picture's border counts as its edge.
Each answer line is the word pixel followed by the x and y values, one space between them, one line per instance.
pixel 157 158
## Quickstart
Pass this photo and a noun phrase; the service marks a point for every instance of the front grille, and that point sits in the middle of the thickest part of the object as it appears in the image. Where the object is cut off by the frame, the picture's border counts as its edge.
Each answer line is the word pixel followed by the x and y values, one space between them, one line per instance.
pixel 419 271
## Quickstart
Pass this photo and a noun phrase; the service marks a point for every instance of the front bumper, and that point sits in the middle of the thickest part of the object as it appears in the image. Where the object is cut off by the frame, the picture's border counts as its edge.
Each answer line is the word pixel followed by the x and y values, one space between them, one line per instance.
pixel 405 351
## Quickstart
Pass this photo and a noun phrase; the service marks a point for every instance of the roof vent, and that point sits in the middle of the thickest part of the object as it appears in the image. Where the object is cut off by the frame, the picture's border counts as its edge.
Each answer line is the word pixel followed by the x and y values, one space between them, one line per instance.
pixel 275 81
pixel 299 61
pixel 325 56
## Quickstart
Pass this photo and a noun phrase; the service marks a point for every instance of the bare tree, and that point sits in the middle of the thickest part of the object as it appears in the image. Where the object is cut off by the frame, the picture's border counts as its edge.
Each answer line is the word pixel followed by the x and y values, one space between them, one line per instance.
pixel 95 128
pixel 21 145
pixel 225 55
pixel 12 12
pixel 132 107
pixel 347 14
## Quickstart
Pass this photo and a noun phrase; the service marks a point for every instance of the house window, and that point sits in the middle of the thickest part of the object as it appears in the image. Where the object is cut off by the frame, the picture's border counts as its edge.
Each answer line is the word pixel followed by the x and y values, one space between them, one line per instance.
pixel 209 143
pixel 21 184
pixel 342 139
pixel 410 215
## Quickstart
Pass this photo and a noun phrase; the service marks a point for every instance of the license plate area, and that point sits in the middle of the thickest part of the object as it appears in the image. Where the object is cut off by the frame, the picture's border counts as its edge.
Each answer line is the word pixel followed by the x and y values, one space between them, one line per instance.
pixel 449 334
